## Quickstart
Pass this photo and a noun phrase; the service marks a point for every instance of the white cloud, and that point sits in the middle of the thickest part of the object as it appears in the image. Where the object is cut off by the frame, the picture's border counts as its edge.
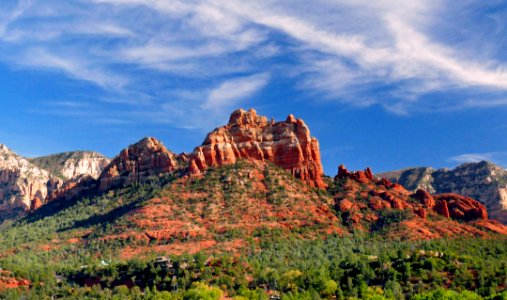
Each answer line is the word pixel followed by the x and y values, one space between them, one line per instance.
pixel 485 103
pixel 472 157
pixel 360 53
pixel 230 92
pixel 73 67
pixel 496 157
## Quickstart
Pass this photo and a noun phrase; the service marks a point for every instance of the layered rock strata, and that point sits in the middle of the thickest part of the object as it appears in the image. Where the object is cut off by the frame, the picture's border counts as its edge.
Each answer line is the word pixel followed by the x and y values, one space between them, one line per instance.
pixel 287 144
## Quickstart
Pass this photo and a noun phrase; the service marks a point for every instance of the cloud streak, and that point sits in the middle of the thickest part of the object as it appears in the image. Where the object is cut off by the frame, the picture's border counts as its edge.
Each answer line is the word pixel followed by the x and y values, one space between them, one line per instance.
pixel 496 157
pixel 230 92
pixel 386 52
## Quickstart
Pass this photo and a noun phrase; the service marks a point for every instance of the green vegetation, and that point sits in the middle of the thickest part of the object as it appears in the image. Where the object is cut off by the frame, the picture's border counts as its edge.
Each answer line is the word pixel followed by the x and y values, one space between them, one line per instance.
pixel 342 268
pixel 273 263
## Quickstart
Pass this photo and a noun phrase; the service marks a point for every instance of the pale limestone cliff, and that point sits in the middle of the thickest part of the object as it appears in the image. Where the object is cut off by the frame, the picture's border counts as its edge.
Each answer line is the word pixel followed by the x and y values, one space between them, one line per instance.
pixel 21 182
pixel 27 184
pixel 69 165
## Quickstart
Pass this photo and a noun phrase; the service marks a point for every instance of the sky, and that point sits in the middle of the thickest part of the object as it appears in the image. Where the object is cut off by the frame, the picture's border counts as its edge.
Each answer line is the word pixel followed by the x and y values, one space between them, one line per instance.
pixel 388 84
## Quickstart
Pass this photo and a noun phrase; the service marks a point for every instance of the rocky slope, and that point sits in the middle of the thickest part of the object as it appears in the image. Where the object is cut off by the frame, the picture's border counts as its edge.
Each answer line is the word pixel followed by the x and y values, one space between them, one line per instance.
pixel 69 165
pixel 483 181
pixel 222 208
pixel 8 281
pixel 367 203
pixel 27 184
pixel 21 183
pixel 287 144
pixel 252 161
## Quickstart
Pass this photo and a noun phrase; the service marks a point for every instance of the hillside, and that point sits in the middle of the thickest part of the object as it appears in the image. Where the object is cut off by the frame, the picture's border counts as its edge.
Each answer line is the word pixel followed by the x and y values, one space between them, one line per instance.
pixel 483 181
pixel 253 230
pixel 248 213
pixel 367 203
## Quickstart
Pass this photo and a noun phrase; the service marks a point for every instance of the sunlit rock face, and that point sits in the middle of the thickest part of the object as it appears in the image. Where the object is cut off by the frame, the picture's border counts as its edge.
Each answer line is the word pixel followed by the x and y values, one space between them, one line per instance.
pixel 21 182
pixel 364 201
pixel 69 165
pixel 141 160
pixel 286 144
pixel 27 184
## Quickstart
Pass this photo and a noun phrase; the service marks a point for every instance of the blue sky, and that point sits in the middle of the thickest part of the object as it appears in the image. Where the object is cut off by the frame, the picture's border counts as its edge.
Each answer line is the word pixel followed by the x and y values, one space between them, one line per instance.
pixel 387 84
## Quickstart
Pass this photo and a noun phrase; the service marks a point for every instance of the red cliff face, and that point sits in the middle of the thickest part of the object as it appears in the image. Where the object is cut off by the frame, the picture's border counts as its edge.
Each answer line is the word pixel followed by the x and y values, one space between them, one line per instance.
pixel 248 136
pixel 365 198
pixel 147 157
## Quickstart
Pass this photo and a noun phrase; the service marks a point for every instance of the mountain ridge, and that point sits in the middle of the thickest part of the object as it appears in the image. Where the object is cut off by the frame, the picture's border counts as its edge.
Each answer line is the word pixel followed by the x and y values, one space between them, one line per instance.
pixel 70 164
pixel 483 181
pixel 28 183
pixel 249 137
pixel 234 197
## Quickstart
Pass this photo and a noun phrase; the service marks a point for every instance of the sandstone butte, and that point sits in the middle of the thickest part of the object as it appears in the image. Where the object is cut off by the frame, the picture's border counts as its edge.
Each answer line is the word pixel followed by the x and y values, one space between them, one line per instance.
pixel 363 197
pixel 147 157
pixel 247 136
pixel 286 144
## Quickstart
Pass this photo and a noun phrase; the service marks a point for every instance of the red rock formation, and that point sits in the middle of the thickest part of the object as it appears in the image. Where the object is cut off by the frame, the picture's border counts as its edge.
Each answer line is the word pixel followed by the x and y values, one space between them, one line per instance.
pixel 365 176
pixel 462 208
pixel 442 209
pixel 342 171
pixel 35 204
pixel 7 281
pixel 147 157
pixel 248 136
pixel 421 212
pixel 388 184
pixel 425 198
pixel 363 197
pixel 368 173
pixel 73 188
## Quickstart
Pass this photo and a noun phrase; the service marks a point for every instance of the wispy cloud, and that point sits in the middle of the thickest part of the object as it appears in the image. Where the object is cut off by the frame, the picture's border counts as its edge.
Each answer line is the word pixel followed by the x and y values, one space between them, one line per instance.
pixel 488 103
pixel 472 157
pixel 214 105
pixel 73 67
pixel 388 52
pixel 230 92
pixel 496 157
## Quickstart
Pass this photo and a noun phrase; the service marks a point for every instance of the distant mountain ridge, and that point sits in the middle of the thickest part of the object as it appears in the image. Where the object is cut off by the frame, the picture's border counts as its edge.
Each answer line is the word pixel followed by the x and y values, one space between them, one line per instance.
pixel 483 181
pixel 27 183
pixel 247 164
pixel 68 165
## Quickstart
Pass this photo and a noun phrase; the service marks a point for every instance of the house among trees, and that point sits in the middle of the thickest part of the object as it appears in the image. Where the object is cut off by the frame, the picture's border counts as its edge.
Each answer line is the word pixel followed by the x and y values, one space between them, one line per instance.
pixel 164 262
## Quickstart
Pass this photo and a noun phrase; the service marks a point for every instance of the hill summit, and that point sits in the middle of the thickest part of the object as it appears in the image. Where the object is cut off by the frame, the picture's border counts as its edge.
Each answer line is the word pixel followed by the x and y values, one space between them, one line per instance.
pixel 246 160
pixel 287 144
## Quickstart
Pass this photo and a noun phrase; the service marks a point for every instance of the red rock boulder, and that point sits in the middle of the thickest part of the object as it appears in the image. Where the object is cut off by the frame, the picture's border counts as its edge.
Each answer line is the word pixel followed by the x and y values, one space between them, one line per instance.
pixel 460 207
pixel 365 176
pixel 424 198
